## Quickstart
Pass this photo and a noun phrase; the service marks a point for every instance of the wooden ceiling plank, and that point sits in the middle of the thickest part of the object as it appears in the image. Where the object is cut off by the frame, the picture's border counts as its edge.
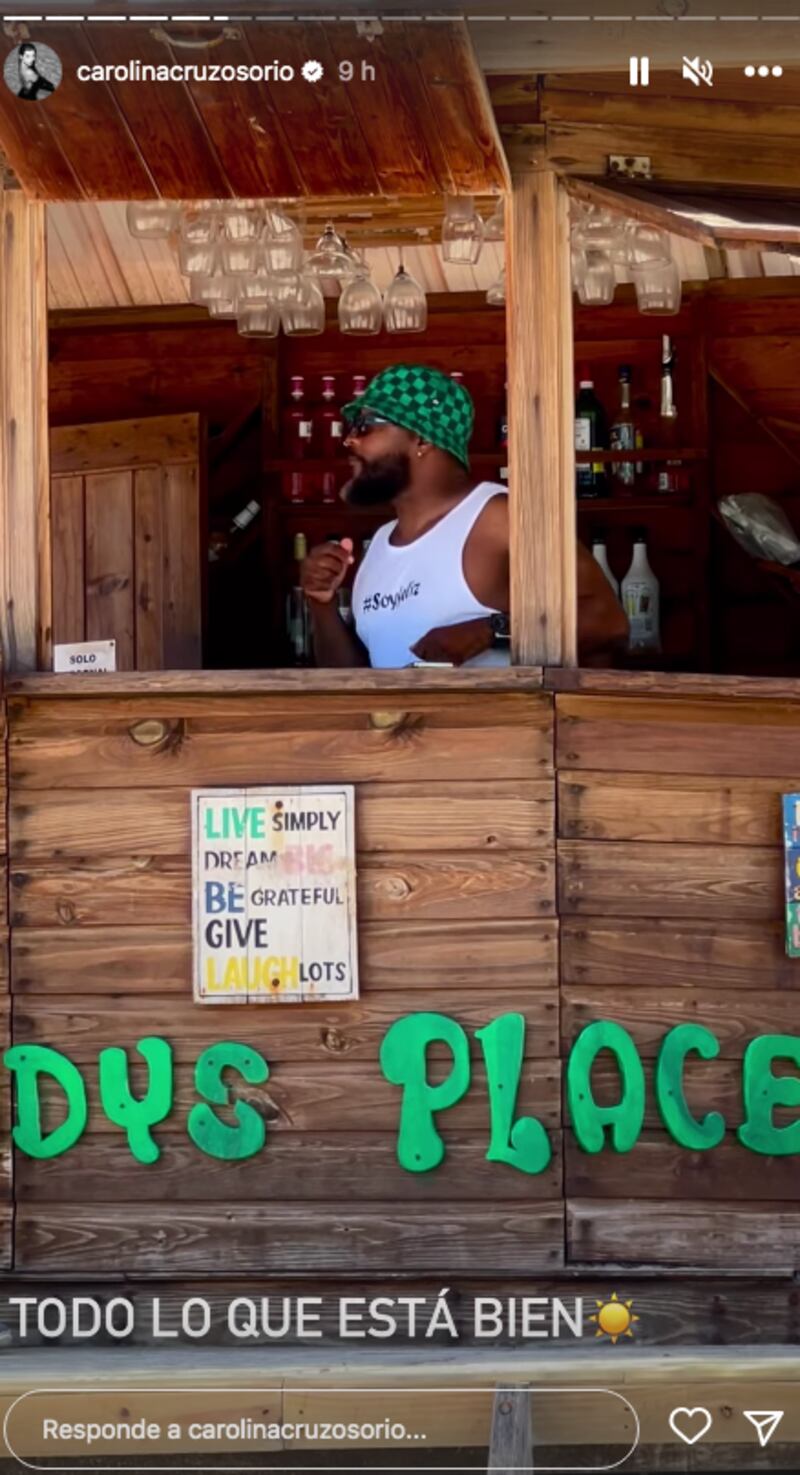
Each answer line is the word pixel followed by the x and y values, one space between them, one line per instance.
pixel 392 118
pixel 178 152
pixel 730 85
pixel 61 273
pixel 243 123
pixel 637 206
pixel 33 153
pixel 460 109
pixel 92 131
pixel 134 265
pixel 81 245
pixel 163 263
pixel 676 156
pixel 692 114
pixel 331 155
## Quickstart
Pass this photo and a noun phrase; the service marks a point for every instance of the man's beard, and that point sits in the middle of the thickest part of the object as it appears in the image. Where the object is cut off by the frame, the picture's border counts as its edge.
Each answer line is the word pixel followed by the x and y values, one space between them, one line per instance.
pixel 379 481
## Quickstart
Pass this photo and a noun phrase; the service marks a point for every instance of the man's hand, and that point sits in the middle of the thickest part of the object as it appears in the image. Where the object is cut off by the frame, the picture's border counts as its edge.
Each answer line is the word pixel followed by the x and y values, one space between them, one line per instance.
pixel 324 571
pixel 455 643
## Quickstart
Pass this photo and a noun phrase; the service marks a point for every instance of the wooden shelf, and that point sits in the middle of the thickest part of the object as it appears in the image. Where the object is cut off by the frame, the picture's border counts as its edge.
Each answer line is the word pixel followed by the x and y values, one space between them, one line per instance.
pixel 634 505
pixel 340 463
pixel 644 454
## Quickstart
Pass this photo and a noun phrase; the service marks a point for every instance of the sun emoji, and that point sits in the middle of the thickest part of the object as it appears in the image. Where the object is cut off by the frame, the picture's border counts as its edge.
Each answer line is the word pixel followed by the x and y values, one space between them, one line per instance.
pixel 614 1318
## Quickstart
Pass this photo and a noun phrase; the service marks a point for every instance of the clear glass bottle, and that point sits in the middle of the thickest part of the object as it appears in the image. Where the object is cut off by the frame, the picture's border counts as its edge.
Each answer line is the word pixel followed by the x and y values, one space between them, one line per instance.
pixel 600 556
pixel 640 599
pixel 622 435
pixel 668 475
pixel 331 430
pixel 220 541
pixel 297 621
pixel 591 434
pixel 299 423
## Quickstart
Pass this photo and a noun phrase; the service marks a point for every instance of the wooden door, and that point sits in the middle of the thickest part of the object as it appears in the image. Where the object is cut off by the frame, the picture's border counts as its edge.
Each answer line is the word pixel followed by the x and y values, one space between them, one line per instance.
pixel 126 538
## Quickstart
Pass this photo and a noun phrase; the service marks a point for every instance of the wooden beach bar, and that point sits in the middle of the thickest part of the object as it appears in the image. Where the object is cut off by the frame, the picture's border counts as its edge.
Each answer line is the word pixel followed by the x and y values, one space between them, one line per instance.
pixel 580 869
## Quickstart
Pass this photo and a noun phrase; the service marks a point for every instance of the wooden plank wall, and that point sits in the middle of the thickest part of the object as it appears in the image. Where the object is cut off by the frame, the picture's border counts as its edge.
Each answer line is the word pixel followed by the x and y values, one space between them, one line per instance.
pixel 671 906
pixel 455 803
pixel 6 1155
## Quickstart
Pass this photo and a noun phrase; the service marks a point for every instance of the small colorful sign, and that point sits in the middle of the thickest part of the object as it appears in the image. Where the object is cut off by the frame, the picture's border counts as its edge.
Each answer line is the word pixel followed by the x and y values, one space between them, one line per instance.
pixel 791 850
pixel 274 895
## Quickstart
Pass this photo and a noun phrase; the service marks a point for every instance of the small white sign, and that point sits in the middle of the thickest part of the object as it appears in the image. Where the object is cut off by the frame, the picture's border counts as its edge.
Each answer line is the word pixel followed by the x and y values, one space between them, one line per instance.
pixel 86 657
pixel 274 895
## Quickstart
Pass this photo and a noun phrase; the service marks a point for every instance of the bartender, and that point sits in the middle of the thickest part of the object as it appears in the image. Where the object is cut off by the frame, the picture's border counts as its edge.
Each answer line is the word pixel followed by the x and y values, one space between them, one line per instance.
pixel 434 583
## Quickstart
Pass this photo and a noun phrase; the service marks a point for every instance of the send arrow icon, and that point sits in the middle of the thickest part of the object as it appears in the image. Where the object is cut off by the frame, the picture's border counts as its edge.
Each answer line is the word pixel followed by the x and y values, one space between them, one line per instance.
pixel 764 1422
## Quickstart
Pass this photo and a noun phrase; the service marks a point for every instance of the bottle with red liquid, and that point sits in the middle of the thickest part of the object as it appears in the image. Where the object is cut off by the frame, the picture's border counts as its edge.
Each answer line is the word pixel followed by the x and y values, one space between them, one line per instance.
pixel 331 428
pixel 299 423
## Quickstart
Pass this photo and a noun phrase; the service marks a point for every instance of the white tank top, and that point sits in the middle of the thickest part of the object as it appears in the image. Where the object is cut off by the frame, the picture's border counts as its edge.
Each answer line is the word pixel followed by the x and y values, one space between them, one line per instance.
pixel 400 593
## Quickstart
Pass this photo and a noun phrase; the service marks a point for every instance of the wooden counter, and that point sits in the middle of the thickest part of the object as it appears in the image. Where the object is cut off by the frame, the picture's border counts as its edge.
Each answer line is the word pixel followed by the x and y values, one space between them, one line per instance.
pixel 663 874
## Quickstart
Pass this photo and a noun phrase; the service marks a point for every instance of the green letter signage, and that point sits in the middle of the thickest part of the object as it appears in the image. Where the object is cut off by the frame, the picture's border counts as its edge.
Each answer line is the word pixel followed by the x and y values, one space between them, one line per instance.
pixel 678 1120
pixel 30 1062
pixel 204 1126
pixel 625 1117
pixel 523 1144
pixel 121 1106
pixel 403 1058
pixel 763 1091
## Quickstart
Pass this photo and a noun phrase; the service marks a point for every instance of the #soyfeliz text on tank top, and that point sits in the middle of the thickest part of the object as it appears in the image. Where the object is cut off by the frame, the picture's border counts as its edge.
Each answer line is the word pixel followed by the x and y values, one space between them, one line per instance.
pixel 400 593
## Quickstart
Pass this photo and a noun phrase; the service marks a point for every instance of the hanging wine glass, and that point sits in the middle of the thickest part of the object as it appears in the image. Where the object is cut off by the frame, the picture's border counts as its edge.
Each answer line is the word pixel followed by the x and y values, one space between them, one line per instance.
pixel 496 294
pixel 305 316
pixel 462 231
pixel 153 220
pixel 240 256
pixel 242 221
pixel 405 306
pixel 282 246
pixel 224 307
pixel 361 305
pixel 330 259
pixel 197 258
pixel 203 290
pixel 259 320
pixel 494 228
pixel 200 222
pixel 257 289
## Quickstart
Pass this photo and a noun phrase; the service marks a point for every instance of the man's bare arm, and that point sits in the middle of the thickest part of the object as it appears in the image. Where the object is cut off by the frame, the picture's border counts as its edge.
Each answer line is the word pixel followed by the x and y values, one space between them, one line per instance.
pixel 602 624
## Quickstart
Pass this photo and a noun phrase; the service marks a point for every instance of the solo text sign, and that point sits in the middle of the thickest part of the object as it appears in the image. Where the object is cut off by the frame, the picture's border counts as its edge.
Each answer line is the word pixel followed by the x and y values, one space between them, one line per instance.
pixel 273 893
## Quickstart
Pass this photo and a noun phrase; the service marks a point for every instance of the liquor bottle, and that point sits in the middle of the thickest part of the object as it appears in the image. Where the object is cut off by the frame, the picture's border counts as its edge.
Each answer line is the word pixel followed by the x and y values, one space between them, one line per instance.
pixel 331 429
pixel 359 385
pixel 668 478
pixel 220 541
pixel 600 555
pixel 502 436
pixel 299 424
pixel 458 376
pixel 640 599
pixel 329 489
pixel 590 435
pixel 297 621
pixel 623 431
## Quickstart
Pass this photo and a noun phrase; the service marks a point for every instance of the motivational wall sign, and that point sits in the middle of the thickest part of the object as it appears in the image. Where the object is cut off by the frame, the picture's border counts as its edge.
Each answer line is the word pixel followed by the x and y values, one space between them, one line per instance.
pixel 273 894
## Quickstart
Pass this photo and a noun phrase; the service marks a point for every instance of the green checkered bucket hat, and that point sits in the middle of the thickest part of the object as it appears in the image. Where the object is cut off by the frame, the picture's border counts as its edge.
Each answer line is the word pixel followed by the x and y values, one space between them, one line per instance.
pixel 422 400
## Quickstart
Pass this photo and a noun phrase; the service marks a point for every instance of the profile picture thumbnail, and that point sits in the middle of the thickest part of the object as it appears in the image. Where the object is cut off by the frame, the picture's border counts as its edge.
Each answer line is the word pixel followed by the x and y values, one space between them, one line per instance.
pixel 32 71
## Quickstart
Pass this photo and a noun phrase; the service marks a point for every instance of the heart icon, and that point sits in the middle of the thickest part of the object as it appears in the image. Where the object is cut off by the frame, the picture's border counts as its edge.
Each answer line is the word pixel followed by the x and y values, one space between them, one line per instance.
pixel 689 1417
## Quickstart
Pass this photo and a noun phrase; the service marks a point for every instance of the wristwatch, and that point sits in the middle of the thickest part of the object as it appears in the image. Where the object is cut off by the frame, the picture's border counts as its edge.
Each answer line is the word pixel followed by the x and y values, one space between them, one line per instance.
pixel 500 626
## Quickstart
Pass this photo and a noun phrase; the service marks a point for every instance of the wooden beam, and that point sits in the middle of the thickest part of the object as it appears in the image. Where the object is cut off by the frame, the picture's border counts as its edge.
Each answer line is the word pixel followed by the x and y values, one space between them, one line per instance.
pixel 25 582
pixel 511 1443
pixel 541 452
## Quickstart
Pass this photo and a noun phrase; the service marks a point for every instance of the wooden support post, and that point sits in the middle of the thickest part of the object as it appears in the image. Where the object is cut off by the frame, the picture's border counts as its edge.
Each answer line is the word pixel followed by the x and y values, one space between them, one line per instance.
pixel 511 1444
pixel 540 422
pixel 25 582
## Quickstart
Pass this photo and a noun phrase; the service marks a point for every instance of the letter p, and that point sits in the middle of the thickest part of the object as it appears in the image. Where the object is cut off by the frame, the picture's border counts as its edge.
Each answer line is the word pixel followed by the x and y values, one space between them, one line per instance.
pixel 404 1062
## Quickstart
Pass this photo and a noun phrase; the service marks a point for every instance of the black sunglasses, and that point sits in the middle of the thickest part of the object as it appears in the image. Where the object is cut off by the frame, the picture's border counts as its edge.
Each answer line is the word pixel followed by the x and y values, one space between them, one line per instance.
pixel 363 422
